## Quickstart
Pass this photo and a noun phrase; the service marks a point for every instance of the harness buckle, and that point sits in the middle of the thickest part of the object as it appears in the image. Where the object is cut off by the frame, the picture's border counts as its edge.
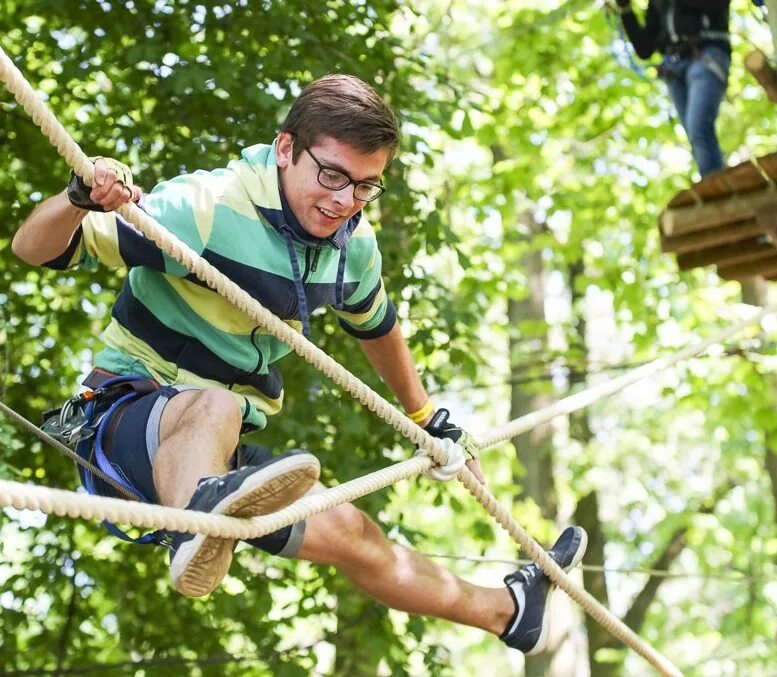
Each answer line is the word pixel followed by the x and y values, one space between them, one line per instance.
pixel 68 424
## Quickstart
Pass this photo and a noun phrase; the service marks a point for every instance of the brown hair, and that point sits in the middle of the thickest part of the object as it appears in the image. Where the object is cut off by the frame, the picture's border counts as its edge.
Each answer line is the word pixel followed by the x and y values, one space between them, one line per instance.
pixel 345 108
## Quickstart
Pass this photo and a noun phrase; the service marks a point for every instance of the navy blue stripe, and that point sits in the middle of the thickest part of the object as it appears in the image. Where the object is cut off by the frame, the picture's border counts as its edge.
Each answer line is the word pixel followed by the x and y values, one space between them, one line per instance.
pixel 62 261
pixel 365 304
pixel 274 292
pixel 135 249
pixel 187 352
pixel 385 326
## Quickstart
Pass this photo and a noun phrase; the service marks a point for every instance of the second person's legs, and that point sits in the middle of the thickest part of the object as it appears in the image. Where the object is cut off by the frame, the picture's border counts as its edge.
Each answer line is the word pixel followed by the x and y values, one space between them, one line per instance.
pixel 706 83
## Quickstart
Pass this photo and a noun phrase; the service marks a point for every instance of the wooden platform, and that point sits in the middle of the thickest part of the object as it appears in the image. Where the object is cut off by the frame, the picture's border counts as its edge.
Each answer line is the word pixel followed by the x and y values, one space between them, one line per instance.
pixel 729 219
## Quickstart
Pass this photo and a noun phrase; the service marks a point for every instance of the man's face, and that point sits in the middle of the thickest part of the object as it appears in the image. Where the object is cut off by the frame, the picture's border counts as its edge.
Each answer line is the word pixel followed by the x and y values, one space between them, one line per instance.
pixel 322 211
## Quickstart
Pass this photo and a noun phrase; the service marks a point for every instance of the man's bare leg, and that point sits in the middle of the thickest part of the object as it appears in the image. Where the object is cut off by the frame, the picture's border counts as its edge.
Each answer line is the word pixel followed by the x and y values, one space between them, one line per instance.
pixel 397 576
pixel 198 433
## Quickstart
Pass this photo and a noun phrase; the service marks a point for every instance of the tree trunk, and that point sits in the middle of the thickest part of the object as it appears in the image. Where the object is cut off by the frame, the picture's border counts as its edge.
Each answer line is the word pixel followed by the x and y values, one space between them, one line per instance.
pixel 771 471
pixel 608 663
pixel 534 448
pixel 756 294
pixel 587 509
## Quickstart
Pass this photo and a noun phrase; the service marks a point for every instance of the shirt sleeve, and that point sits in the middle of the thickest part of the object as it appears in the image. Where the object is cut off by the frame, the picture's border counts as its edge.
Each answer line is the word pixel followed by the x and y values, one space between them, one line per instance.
pixel 368 313
pixel 182 205
pixel 644 38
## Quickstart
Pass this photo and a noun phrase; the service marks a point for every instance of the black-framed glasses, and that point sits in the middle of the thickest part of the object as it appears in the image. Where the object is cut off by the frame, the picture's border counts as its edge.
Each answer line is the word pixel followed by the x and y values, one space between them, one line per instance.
pixel 334 179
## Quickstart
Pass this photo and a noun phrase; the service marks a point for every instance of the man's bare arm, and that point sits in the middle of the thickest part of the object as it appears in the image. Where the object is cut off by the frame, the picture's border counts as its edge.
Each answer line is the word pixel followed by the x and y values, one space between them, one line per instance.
pixel 390 357
pixel 47 232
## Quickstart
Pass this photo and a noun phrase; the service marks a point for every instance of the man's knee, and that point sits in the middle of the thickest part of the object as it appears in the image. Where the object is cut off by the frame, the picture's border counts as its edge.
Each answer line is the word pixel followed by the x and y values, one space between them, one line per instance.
pixel 214 408
pixel 340 534
pixel 351 524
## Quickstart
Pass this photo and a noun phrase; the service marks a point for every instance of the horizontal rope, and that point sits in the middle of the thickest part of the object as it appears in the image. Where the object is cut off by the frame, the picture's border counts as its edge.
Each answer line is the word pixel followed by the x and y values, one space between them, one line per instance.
pixel 74 504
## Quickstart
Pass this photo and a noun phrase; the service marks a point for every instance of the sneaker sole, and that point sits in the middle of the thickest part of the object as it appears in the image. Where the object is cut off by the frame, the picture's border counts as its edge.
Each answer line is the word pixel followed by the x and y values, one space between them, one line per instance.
pixel 201 563
pixel 542 641
pixel 580 552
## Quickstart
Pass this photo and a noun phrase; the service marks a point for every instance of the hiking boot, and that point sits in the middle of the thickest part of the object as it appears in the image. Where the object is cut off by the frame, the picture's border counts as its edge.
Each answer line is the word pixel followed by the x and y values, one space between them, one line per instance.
pixel 198 563
pixel 531 589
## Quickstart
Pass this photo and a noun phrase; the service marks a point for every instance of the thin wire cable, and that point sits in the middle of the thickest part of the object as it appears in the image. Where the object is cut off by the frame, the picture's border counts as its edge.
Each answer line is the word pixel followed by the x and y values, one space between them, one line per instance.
pixel 588 396
pixel 734 577
pixel 570 371
pixel 67 451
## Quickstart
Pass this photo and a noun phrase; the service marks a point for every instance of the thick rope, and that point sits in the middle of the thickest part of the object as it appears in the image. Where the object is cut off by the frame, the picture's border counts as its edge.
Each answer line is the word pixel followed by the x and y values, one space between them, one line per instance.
pixel 587 397
pixel 73 504
pixel 76 158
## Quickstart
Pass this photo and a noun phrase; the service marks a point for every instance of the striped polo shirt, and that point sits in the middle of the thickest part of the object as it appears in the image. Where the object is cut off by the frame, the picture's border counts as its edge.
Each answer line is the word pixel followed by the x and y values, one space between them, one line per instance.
pixel 168 325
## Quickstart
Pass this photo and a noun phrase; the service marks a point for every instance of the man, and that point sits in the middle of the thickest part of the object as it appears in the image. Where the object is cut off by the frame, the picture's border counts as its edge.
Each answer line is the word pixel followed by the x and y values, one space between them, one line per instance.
pixel 285 223
pixel 693 37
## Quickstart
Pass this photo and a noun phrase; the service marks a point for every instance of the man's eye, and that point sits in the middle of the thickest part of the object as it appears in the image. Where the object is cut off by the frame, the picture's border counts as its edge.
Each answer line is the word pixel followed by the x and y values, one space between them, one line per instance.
pixel 331 176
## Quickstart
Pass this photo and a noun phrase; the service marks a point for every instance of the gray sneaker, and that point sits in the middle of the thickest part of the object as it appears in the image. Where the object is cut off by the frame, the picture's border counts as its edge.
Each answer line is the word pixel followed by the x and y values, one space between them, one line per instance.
pixel 531 589
pixel 198 563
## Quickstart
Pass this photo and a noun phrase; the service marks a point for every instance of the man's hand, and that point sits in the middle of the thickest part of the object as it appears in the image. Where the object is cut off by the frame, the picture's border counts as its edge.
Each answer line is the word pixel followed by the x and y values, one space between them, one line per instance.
pixel 454 462
pixel 439 426
pixel 112 187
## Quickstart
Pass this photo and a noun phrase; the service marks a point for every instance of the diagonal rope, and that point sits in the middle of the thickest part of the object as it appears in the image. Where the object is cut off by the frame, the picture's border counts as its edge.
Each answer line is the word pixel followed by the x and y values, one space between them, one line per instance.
pixel 586 397
pixel 67 451
pixel 184 255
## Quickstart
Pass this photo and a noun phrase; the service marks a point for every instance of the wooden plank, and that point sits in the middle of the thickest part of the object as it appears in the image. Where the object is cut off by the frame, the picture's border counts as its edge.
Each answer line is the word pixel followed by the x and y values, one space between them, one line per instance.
pixel 704 216
pixel 713 237
pixel 767 222
pixel 750 269
pixel 726 255
pixel 769 165
pixel 742 178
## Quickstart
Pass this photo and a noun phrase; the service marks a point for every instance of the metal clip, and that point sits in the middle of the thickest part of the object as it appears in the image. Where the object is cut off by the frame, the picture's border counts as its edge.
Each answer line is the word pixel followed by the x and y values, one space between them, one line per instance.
pixel 68 424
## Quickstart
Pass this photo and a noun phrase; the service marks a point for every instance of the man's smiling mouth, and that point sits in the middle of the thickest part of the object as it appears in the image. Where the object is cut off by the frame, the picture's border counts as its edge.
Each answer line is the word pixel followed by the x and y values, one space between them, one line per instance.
pixel 330 214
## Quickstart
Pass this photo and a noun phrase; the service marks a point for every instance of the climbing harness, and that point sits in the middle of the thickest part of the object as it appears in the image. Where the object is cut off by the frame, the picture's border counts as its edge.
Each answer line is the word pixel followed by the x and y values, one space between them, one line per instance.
pixel 83 422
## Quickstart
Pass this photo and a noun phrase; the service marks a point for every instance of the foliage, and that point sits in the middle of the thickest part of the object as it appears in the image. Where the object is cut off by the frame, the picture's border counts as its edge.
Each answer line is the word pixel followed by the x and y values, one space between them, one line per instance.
pixel 173 87
pixel 510 109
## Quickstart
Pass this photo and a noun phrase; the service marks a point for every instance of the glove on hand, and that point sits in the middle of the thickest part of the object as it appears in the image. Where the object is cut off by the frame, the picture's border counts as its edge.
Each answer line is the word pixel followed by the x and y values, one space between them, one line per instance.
pixel 455 462
pixel 78 192
pixel 441 428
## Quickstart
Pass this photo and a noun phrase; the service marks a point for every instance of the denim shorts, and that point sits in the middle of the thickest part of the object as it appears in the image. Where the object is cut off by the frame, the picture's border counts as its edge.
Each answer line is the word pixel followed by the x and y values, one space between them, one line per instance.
pixel 135 443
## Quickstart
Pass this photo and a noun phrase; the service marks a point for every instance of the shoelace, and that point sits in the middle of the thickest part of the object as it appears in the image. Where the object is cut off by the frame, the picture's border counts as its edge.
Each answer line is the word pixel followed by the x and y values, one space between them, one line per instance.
pixel 525 575
pixel 210 480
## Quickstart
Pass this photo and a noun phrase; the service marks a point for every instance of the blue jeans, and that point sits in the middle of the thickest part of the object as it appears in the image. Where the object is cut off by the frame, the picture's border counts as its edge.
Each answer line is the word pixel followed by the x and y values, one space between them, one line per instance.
pixel 697 86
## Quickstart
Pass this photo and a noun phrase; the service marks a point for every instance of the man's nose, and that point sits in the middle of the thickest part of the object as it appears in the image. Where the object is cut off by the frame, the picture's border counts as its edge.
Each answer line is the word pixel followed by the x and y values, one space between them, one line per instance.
pixel 345 197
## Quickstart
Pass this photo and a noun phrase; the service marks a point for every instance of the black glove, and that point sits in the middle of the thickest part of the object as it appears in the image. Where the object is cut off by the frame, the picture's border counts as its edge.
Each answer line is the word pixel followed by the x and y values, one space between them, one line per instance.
pixel 441 428
pixel 78 192
pixel 623 4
